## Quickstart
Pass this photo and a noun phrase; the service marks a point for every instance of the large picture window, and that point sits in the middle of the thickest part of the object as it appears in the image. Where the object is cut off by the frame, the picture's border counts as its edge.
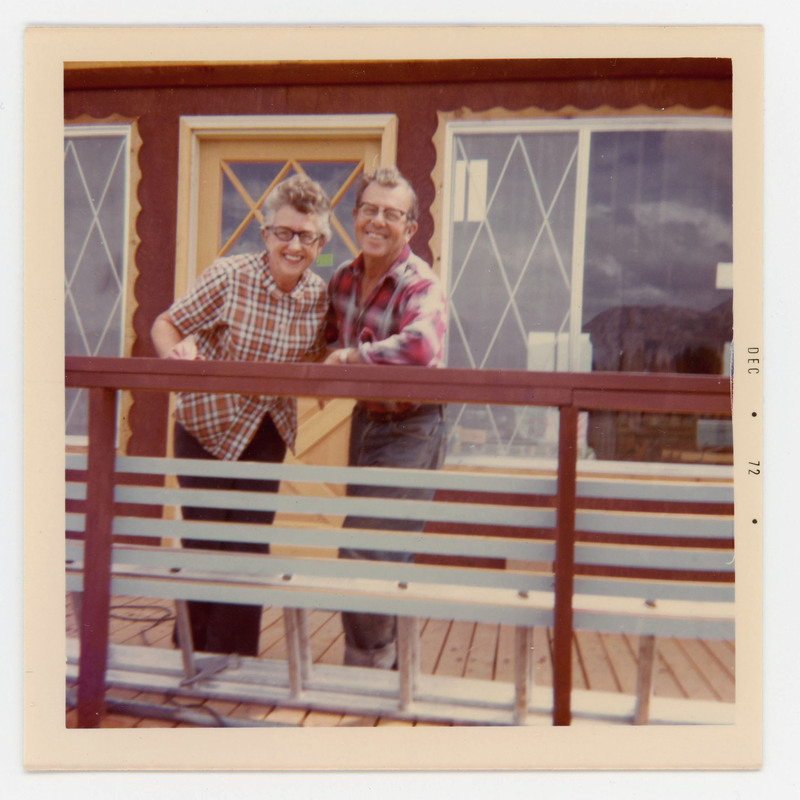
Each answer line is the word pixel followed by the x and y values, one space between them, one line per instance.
pixel 590 244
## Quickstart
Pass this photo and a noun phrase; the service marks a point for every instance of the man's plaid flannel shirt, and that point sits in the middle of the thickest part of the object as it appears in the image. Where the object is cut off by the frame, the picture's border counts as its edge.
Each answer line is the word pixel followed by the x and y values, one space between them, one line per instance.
pixel 402 322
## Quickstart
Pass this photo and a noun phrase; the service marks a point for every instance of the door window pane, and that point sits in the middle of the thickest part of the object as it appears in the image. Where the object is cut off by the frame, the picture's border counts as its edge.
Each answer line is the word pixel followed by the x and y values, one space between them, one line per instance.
pixel 245 185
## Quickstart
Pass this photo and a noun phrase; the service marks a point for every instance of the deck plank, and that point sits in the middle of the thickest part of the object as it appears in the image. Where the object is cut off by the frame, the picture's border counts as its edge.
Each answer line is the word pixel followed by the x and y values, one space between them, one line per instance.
pixel 724 653
pixel 579 677
pixel 542 657
pixel 271 629
pixel 322 719
pixel 358 721
pixel 287 716
pixel 596 666
pixel 251 711
pixel 708 669
pixel 482 652
pixel 685 681
pixel 324 635
pixel 504 655
pixel 432 641
pixel 453 660
pixel 622 653
pixel 119 721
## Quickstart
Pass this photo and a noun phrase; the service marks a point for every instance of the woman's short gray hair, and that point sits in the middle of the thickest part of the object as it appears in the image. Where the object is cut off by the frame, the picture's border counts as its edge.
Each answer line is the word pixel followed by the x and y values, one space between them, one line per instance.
pixel 305 196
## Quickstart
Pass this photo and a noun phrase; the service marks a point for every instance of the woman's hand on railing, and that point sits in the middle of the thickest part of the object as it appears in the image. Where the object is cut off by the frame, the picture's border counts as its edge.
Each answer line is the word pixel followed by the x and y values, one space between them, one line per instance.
pixel 185 350
pixel 169 342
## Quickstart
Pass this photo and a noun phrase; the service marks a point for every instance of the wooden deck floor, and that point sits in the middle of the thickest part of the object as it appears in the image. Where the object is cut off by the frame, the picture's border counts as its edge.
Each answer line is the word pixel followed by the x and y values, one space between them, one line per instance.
pixel 697 670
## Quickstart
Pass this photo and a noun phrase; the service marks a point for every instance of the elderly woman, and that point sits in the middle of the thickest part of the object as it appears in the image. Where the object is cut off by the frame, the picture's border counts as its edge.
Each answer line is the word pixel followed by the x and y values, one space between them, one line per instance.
pixel 255 307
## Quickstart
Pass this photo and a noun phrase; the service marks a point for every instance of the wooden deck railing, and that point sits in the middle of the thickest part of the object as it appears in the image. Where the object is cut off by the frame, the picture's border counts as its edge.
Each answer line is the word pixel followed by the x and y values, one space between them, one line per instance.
pixel 570 393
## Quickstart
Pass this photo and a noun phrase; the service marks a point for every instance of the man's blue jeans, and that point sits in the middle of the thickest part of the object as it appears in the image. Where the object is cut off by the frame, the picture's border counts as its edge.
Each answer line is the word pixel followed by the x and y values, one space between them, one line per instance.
pixel 416 441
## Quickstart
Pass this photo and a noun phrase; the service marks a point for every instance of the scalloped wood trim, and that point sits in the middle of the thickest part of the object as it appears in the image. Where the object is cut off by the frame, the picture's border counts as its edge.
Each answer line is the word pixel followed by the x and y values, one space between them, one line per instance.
pixel 532 112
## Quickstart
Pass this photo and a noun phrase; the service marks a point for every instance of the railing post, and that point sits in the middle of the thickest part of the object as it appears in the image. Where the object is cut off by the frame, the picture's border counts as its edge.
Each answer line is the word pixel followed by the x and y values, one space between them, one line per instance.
pixel 565 564
pixel 97 557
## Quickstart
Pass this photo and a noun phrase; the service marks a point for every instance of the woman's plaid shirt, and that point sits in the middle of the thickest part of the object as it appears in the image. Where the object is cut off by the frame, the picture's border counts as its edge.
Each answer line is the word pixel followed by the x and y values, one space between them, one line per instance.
pixel 237 313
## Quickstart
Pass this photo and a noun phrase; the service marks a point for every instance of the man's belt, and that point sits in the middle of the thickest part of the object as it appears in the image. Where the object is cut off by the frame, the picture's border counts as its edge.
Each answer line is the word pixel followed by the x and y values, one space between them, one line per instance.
pixel 395 416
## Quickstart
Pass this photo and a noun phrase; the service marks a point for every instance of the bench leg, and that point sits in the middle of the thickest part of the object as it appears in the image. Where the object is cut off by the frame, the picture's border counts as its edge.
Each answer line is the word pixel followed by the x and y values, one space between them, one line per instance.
pixel 644 679
pixel 77 608
pixel 523 672
pixel 295 621
pixel 185 638
pixel 408 658
pixel 305 643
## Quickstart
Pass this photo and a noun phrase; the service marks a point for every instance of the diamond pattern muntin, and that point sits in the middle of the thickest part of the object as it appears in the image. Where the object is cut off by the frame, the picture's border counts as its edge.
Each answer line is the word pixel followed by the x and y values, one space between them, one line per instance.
pixel 94 236
pixel 510 271
pixel 242 199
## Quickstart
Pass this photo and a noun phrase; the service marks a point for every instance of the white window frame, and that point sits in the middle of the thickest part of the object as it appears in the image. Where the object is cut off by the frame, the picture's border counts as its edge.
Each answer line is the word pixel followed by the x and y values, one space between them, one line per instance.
pixel 124 130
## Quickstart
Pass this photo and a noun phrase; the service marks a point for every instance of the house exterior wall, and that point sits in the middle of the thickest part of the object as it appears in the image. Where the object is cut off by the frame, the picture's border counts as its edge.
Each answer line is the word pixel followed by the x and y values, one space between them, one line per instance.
pixel 157 96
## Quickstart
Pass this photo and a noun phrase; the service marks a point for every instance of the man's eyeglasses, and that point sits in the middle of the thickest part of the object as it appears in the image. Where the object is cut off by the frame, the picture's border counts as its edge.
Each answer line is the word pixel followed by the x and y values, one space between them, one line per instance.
pixel 389 214
pixel 287 234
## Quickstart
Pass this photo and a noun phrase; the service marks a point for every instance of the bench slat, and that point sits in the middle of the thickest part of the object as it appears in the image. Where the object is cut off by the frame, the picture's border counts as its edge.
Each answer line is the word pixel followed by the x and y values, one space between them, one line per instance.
pixel 74 491
pixel 677 618
pixel 382 508
pixel 668 491
pixel 654 558
pixel 443 544
pixel 506 483
pixel 655 589
pixel 477 604
pixel 166 559
pixel 699 526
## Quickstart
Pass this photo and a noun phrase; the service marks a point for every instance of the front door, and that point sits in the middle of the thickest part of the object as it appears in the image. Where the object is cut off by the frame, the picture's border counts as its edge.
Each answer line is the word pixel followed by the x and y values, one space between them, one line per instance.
pixel 228 166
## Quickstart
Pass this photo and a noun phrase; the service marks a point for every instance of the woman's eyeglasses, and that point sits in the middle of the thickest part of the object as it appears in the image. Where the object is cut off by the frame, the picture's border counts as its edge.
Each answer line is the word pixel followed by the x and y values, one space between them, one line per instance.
pixel 287 234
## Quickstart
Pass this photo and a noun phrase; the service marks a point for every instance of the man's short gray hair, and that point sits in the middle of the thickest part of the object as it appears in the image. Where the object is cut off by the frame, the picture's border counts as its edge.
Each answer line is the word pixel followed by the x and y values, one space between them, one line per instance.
pixel 391 177
pixel 305 196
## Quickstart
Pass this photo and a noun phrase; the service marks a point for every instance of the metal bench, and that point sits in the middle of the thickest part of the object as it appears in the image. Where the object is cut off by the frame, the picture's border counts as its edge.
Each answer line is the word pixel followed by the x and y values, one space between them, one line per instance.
pixel 651 557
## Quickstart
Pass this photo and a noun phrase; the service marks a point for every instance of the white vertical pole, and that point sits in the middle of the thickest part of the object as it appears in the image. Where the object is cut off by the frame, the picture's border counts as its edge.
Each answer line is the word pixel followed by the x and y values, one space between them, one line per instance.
pixel 579 248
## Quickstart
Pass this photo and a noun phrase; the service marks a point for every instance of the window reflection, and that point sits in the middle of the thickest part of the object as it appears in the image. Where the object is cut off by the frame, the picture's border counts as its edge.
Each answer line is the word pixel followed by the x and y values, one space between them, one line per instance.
pixel 659 222
pixel 651 292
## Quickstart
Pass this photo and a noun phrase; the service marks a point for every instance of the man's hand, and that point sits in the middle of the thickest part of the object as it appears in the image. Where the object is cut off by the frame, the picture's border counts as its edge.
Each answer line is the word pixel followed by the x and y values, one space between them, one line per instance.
pixel 346 355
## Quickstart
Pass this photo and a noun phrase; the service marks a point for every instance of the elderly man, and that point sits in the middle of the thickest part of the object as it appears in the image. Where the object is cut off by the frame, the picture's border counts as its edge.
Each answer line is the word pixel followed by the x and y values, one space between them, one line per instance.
pixel 387 307
pixel 254 307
